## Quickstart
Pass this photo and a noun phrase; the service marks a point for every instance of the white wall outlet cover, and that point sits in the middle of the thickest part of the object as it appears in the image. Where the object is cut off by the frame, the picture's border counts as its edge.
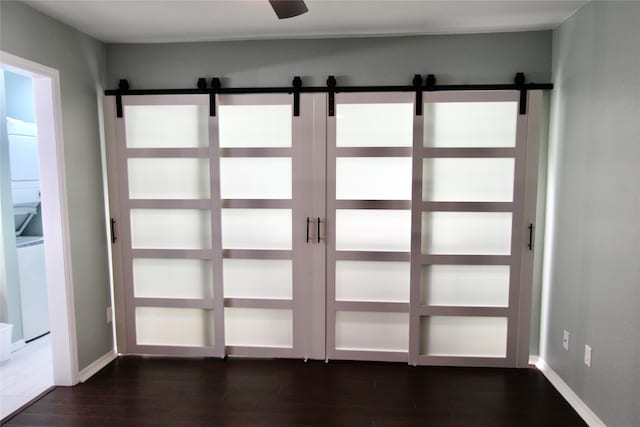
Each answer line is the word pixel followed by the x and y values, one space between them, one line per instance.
pixel 109 314
pixel 565 340
pixel 587 355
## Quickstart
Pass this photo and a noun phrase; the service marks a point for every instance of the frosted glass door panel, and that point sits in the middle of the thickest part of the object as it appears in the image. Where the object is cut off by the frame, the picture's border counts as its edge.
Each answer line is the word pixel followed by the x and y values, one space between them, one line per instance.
pixel 255 125
pixel 168 178
pixel 374 125
pixel 468 180
pixel 465 285
pixel 370 331
pixel 258 327
pixel 164 126
pixel 170 229
pixel 256 228
pixel 372 281
pixel 373 178
pixel 373 230
pixel 174 326
pixel 463 336
pixel 466 233
pixel 470 124
pixel 255 178
pixel 172 278
pixel 257 278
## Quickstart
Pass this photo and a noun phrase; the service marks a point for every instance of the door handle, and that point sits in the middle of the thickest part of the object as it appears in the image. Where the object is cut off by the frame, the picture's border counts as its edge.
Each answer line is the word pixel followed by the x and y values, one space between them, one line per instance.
pixel 530 245
pixel 308 221
pixel 113 231
pixel 318 229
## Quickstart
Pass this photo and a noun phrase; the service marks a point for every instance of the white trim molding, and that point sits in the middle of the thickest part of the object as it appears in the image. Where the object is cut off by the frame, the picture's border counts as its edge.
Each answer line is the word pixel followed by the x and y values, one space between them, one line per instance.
pixel 98 364
pixel 55 215
pixel 570 396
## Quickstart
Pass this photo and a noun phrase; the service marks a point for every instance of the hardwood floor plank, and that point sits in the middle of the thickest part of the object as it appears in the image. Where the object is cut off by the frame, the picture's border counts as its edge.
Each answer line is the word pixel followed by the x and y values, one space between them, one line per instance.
pixel 138 391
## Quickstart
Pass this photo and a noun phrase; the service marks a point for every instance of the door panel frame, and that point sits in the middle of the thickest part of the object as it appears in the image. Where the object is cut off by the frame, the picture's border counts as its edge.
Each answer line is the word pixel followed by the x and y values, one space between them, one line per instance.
pixel 294 153
pixel 128 253
pixel 333 255
pixel 515 322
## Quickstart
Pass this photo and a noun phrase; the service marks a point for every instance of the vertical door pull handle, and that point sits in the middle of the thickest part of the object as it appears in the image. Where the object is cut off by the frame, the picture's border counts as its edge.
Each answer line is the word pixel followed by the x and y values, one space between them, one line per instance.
pixel 308 221
pixel 318 229
pixel 530 245
pixel 113 231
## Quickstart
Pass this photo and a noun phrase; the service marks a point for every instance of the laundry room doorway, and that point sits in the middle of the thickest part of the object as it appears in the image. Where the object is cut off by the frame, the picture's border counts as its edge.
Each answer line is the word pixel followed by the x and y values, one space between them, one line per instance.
pixel 35 276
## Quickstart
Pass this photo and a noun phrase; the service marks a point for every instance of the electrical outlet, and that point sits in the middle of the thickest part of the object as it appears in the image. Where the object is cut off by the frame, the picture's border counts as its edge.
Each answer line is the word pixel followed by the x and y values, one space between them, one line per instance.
pixel 587 355
pixel 109 314
pixel 565 340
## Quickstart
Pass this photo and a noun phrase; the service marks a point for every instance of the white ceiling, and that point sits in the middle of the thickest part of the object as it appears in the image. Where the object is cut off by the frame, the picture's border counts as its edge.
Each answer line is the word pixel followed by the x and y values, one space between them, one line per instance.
pixel 154 21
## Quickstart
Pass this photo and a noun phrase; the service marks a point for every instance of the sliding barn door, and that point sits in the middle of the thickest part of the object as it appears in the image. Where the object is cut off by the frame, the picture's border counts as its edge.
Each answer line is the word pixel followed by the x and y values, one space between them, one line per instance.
pixel 369 220
pixel 468 232
pixel 266 225
pixel 168 227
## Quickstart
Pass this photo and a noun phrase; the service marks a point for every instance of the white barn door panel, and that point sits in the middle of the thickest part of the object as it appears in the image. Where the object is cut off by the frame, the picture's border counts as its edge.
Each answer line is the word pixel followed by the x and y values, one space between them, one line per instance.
pixel 167 225
pixel 369 144
pixel 468 234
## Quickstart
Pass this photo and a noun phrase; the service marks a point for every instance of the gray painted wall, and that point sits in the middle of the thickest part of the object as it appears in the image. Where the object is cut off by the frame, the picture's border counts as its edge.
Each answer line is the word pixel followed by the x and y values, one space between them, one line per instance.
pixel 592 267
pixel 471 58
pixel 474 58
pixel 80 60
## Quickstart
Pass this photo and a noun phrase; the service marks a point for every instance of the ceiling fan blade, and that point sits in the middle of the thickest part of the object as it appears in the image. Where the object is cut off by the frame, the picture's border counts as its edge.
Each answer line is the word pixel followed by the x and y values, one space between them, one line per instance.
pixel 288 8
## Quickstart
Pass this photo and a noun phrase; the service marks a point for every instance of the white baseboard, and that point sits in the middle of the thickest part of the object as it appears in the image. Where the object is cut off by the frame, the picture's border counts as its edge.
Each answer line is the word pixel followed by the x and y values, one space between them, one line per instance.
pixel 570 396
pixel 15 346
pixel 92 369
pixel 533 360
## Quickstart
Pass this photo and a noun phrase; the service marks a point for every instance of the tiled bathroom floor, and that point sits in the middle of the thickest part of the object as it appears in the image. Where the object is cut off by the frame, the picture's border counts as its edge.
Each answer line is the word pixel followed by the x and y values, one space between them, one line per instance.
pixel 25 375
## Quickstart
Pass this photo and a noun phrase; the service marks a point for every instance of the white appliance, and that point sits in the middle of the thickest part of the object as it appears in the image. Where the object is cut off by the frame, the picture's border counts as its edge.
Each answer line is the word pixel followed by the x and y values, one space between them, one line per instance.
pixel 33 286
pixel 25 176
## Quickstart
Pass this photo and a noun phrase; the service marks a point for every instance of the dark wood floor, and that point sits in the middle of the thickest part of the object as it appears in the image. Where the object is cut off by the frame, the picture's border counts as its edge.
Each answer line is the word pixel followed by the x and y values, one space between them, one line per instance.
pixel 135 391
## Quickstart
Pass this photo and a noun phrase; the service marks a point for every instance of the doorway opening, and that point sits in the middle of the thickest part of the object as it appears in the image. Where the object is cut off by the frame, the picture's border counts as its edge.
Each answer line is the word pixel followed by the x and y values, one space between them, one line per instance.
pixel 36 298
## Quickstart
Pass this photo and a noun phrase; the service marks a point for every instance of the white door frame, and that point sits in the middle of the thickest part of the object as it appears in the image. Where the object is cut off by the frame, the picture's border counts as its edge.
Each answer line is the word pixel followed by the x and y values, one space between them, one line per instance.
pixel 55 215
